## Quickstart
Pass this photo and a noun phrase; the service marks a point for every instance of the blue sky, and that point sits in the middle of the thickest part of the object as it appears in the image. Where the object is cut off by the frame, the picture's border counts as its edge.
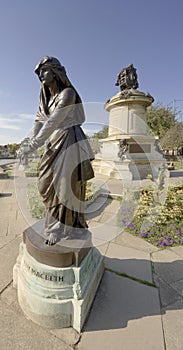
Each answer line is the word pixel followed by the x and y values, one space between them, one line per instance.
pixel 94 40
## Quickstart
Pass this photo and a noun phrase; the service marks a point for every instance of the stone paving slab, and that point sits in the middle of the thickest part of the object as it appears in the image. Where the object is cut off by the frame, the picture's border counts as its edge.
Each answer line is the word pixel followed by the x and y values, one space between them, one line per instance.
pixel 6 188
pixel 9 206
pixel 16 228
pixel 96 209
pixel 173 326
pixel 130 261
pixel 125 313
pixel 115 186
pixel 168 293
pixel 168 265
pixel 68 336
pixel 125 316
pixel 104 232
pixel 109 218
pixel 105 219
pixel 128 240
pixel 18 333
pixel 8 256
pixel 178 285
pixel 5 240
pixel 102 247
pixel 113 207
pixel 3 227
pixel 178 251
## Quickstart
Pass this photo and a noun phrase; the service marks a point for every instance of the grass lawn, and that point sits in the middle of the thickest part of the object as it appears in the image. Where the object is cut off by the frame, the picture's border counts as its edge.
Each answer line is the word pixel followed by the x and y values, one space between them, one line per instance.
pixel 178 165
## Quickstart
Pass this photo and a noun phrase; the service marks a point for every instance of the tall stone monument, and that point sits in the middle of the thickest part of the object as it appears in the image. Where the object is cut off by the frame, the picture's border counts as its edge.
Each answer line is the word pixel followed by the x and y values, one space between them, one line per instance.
pixel 130 151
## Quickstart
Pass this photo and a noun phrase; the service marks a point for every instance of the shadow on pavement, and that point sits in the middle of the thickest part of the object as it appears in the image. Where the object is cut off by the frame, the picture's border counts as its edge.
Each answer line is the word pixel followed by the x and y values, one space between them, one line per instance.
pixel 5 195
pixel 176 173
pixel 97 207
pixel 120 299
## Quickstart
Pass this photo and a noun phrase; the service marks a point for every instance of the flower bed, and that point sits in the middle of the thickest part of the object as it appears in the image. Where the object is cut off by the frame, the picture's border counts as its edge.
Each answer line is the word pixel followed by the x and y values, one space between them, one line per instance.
pixel 160 225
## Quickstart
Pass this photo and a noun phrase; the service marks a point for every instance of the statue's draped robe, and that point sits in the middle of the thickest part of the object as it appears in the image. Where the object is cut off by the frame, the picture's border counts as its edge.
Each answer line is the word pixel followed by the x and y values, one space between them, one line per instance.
pixel 66 164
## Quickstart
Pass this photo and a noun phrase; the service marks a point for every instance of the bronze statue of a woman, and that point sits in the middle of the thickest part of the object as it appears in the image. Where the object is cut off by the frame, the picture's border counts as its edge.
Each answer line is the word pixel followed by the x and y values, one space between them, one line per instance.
pixel 66 163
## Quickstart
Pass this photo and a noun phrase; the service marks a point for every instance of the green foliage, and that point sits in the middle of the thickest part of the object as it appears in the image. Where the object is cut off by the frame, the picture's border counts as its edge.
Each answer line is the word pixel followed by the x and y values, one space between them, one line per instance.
pixel 12 148
pixel 173 138
pixel 160 119
pixel 178 165
pixel 101 134
pixel 36 205
pixel 90 191
pixel 41 150
pixel 33 169
pixel 160 225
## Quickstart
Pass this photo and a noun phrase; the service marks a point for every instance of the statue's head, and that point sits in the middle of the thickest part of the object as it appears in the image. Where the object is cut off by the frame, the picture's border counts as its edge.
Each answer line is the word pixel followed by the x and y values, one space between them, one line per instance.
pixel 55 66
pixel 59 74
pixel 48 61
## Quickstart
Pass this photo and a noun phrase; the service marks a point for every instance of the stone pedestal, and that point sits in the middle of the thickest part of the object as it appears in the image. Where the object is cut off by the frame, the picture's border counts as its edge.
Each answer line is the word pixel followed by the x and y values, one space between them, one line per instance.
pixel 113 168
pixel 57 297
pixel 127 121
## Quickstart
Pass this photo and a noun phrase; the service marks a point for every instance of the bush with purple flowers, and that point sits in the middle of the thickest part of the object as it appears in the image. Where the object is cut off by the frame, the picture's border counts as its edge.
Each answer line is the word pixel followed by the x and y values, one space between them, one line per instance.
pixel 160 225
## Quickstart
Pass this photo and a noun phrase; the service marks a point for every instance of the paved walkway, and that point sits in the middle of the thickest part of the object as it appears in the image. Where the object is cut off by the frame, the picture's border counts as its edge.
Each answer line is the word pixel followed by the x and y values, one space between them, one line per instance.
pixel 139 303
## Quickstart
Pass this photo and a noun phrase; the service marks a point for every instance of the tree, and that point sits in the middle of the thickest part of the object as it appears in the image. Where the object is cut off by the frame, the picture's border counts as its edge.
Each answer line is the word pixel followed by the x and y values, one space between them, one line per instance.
pixel 12 148
pixel 173 138
pixel 101 134
pixel 160 119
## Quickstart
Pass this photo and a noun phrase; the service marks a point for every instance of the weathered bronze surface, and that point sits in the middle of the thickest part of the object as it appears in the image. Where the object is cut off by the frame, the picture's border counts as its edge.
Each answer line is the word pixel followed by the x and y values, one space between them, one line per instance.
pixel 57 255
pixel 127 78
pixel 66 163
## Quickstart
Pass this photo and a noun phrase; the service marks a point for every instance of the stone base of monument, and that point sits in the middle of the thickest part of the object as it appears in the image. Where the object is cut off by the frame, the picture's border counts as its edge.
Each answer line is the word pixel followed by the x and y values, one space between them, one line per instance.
pixel 57 296
pixel 113 169
pixel 137 157
pixel 140 160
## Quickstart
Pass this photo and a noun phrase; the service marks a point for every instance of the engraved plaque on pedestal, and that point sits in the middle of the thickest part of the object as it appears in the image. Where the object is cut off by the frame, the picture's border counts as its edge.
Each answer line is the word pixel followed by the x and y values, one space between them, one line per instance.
pixel 137 148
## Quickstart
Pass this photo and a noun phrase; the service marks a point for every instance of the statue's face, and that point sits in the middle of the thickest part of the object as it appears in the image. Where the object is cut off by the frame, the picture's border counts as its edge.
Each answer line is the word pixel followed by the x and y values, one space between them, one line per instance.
pixel 46 75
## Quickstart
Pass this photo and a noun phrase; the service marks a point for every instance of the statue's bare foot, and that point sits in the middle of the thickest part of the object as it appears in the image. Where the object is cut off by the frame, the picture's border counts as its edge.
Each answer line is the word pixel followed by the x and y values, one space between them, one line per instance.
pixel 52 239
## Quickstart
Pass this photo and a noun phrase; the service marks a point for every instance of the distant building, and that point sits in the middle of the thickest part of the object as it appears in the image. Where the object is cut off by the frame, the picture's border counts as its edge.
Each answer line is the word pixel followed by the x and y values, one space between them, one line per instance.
pixel 4 152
